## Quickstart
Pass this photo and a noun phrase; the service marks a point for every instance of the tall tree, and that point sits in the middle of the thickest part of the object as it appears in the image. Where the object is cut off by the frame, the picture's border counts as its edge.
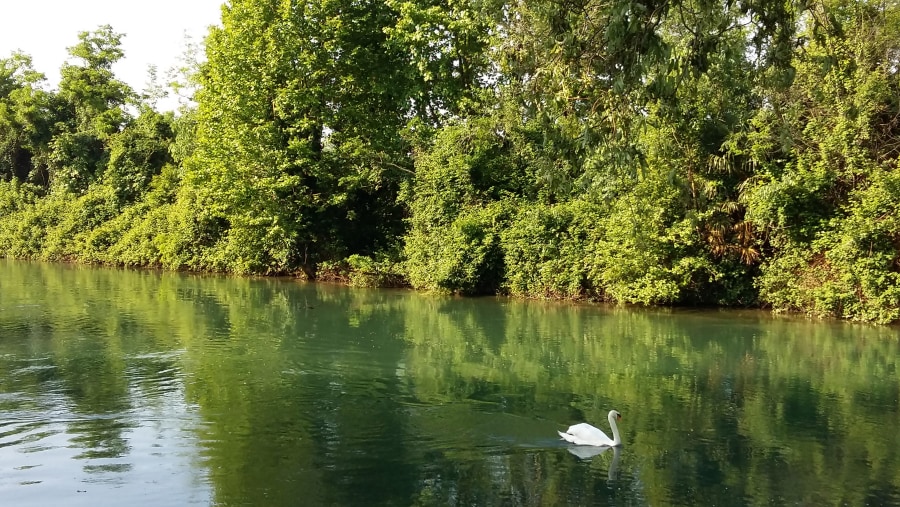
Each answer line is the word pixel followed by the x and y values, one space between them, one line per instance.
pixel 93 109
pixel 299 147
pixel 828 151
pixel 590 69
pixel 27 115
pixel 448 45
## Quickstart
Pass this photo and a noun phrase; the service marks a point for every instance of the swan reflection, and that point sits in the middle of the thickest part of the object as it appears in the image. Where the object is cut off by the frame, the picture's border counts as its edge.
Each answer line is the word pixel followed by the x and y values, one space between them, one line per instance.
pixel 587 452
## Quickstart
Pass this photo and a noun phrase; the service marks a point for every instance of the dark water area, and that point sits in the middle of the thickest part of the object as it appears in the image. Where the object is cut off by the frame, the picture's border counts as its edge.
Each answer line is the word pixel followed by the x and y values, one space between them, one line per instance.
pixel 141 388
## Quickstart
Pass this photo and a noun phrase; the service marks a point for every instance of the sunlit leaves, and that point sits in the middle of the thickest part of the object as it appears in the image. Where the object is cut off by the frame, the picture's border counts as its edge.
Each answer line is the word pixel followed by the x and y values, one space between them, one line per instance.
pixel 92 104
pixel 300 117
pixel 832 136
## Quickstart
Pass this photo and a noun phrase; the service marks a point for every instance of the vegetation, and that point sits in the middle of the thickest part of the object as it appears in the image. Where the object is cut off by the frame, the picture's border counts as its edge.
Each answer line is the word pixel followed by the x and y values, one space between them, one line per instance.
pixel 672 152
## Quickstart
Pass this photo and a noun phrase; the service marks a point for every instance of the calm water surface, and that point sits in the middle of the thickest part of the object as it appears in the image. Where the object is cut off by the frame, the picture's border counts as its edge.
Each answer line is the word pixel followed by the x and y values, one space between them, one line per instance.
pixel 144 388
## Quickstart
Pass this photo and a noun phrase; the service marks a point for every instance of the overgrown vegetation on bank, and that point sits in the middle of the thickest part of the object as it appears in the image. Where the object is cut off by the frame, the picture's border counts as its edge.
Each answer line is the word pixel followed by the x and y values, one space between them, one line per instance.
pixel 736 152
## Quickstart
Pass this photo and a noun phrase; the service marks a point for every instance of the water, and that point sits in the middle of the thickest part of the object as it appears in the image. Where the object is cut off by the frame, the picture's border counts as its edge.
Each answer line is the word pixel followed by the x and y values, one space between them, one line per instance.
pixel 144 388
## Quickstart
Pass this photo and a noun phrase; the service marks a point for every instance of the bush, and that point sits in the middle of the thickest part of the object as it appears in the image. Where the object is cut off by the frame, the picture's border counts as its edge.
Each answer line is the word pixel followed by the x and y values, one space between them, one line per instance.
pixel 649 250
pixel 364 271
pixel 460 202
pixel 464 257
pixel 69 238
pixel 852 269
pixel 24 229
pixel 546 247
pixel 16 222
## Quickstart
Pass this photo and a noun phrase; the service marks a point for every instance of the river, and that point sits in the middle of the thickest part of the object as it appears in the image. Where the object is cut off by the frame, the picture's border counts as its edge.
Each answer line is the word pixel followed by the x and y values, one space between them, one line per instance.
pixel 135 388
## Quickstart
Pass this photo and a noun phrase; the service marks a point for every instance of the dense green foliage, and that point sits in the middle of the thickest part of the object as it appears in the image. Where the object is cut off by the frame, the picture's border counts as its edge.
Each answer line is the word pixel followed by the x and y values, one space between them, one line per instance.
pixel 671 152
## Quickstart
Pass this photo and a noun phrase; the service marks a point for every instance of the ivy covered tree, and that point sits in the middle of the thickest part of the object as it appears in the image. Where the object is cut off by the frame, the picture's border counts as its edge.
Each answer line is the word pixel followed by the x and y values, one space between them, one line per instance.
pixel 828 156
pixel 138 153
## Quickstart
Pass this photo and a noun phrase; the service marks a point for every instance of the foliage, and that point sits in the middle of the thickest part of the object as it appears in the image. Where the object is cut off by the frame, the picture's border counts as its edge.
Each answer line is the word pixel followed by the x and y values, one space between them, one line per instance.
pixel 25 224
pixel 71 237
pixel 463 257
pixel 138 153
pixel 852 269
pixel 298 140
pixel 91 110
pixel 643 253
pixel 829 149
pixel 460 203
pixel 731 153
pixel 546 248
pixel 26 119
pixel 447 46
pixel 364 271
pixel 142 233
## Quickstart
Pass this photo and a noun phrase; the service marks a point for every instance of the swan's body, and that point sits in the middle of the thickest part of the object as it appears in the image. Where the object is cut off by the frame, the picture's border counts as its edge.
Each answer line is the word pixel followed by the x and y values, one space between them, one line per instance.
pixel 585 434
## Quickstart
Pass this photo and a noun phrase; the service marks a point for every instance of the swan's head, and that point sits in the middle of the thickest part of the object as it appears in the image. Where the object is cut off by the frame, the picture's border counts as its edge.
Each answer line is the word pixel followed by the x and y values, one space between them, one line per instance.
pixel 615 415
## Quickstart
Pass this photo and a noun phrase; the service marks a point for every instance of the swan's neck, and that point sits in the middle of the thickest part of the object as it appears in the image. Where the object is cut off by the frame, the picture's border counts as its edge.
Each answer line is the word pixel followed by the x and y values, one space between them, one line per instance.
pixel 615 430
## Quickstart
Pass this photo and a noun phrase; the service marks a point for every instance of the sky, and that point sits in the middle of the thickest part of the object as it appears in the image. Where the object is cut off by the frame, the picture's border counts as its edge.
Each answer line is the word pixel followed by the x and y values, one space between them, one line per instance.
pixel 154 31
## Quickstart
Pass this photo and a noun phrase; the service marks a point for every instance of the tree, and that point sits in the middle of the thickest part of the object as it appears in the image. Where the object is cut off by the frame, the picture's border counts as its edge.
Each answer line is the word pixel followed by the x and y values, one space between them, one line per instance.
pixel 93 109
pixel 448 47
pixel 27 114
pixel 138 153
pixel 828 156
pixel 299 146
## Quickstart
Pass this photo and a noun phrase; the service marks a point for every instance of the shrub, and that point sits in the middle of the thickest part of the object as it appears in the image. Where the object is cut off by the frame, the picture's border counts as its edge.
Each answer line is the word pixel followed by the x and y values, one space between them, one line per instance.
pixel 546 247
pixel 852 269
pixel 464 257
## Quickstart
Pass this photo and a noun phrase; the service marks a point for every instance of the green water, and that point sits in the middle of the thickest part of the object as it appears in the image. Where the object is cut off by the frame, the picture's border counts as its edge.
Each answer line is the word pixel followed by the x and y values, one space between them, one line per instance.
pixel 144 388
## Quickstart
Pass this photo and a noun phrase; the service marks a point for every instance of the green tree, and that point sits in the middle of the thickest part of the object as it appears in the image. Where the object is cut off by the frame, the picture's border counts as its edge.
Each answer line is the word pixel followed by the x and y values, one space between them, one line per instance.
pixel 590 70
pixel 448 46
pixel 138 153
pixel 828 155
pixel 620 118
pixel 93 109
pixel 27 115
pixel 299 151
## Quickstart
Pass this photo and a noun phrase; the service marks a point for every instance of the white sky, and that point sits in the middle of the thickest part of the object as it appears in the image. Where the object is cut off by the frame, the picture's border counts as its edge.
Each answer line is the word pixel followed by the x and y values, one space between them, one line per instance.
pixel 154 31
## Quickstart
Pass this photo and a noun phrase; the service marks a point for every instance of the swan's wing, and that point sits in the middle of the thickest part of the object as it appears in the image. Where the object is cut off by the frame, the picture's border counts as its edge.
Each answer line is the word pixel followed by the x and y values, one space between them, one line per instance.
pixel 568 438
pixel 585 434
pixel 585 431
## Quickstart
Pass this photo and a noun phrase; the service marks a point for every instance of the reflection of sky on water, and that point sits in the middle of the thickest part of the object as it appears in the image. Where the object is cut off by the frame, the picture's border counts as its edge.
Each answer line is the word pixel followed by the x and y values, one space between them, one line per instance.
pixel 146 455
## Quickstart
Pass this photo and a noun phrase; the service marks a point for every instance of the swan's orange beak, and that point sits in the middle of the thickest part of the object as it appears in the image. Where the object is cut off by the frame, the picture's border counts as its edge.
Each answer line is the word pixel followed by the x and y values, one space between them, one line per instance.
pixel 619 417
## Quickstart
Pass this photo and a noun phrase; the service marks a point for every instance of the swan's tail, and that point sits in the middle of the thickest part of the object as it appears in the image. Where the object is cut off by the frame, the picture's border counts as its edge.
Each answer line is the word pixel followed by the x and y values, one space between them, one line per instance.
pixel 567 437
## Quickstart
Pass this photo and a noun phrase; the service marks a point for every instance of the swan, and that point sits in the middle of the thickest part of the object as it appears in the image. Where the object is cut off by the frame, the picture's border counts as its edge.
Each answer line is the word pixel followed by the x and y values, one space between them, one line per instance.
pixel 585 434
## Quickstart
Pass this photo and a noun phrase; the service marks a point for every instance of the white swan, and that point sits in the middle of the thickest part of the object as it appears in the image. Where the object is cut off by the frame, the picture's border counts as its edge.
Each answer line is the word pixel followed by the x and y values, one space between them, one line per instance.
pixel 585 434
